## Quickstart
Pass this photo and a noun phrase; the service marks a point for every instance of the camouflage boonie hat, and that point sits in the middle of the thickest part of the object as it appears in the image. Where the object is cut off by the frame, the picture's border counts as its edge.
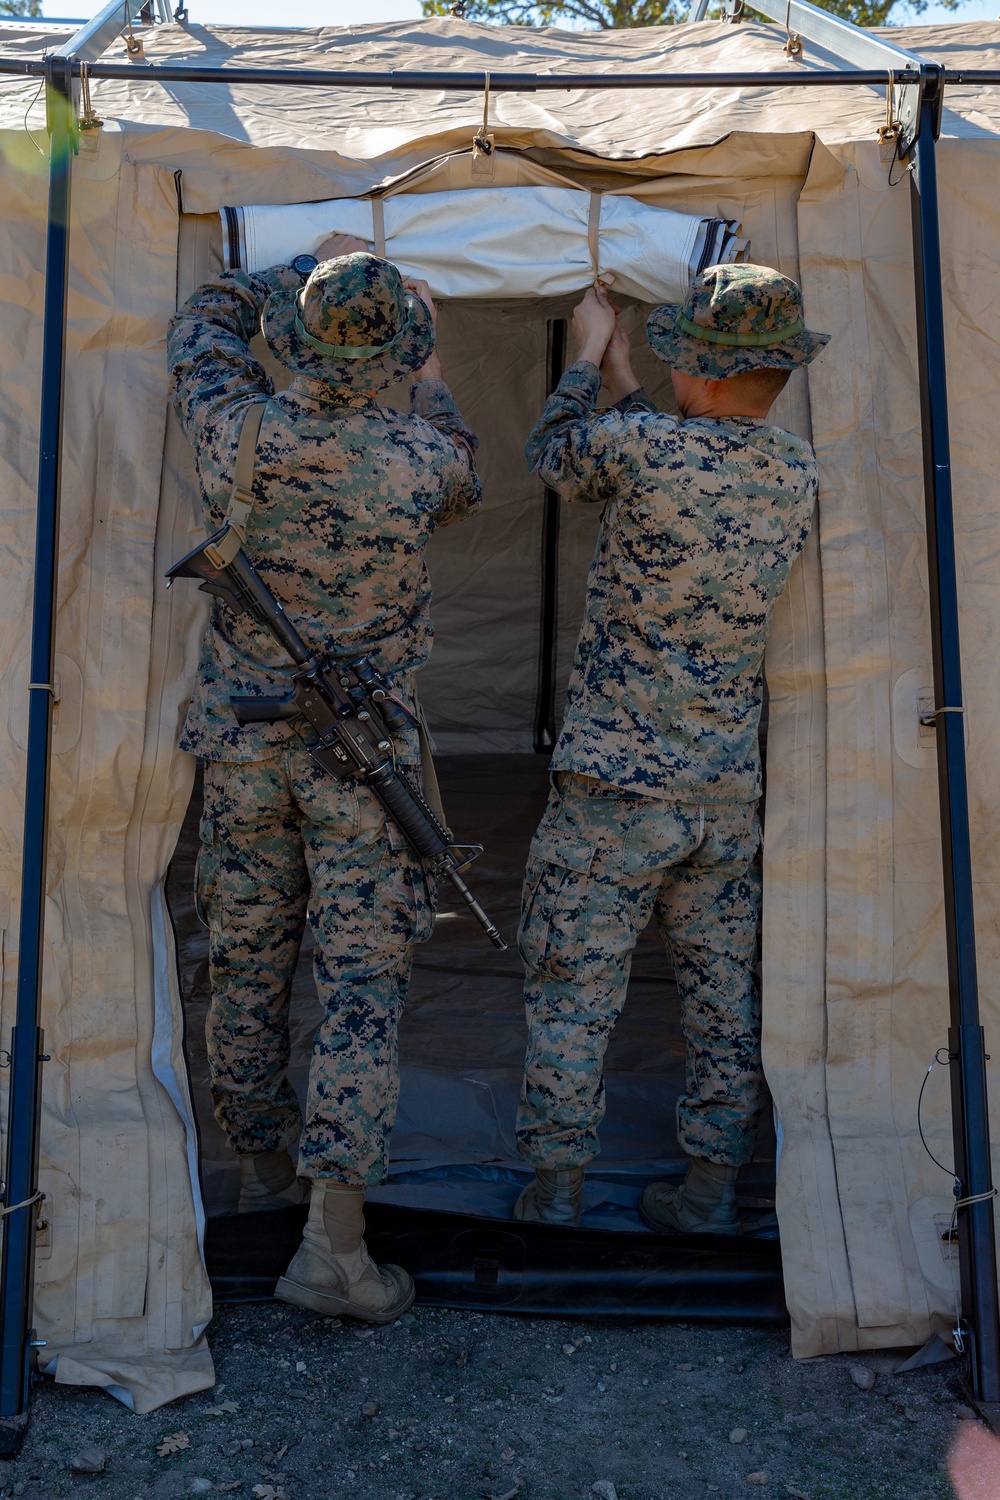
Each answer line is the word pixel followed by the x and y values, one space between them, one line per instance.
pixel 352 324
pixel 735 318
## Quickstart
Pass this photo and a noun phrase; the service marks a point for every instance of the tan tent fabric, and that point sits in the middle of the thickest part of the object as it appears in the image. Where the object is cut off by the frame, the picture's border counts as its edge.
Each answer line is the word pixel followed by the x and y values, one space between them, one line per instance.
pixel 854 984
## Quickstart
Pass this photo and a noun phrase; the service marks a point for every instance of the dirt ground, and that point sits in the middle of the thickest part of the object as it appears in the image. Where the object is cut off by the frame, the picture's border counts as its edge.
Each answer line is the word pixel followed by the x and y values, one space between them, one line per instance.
pixel 458 1406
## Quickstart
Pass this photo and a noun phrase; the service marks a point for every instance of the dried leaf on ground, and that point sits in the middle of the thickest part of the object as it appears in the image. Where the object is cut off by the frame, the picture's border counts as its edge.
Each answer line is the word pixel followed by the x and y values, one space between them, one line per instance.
pixel 174 1442
pixel 268 1492
pixel 222 1409
pixel 759 1478
pixel 795 1492
pixel 462 1358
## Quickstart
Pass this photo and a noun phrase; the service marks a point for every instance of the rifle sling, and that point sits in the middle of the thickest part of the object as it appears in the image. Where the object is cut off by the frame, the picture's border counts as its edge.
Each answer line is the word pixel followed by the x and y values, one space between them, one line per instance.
pixel 237 516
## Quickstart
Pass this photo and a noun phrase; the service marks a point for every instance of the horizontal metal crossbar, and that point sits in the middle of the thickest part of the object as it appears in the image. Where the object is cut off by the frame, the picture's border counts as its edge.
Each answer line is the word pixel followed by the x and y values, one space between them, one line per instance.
pixel 510 83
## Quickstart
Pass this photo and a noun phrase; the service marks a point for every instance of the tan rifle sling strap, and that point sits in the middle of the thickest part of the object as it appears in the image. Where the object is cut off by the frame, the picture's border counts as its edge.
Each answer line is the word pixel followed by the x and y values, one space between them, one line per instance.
pixel 241 499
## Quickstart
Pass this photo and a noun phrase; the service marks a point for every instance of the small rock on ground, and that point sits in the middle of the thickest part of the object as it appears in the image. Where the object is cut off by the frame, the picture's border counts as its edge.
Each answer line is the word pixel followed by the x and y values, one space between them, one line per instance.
pixel 88 1461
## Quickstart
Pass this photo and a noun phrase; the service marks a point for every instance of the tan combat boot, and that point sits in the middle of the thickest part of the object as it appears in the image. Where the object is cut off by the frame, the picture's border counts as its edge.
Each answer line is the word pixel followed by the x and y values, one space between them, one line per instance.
pixel 705 1203
pixel 555 1197
pixel 268 1181
pixel 332 1272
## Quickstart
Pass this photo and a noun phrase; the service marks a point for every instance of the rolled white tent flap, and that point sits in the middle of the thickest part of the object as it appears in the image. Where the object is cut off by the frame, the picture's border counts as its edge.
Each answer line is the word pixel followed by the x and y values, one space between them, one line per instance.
pixel 500 242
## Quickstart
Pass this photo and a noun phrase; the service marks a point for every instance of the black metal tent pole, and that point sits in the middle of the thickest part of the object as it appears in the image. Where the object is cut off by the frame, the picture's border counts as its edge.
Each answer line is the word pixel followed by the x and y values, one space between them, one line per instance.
pixel 26 1046
pixel 966 1040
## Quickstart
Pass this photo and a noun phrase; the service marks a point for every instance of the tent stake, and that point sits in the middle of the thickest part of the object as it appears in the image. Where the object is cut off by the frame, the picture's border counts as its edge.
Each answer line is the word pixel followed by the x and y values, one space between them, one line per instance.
pixel 26 1047
pixel 966 1041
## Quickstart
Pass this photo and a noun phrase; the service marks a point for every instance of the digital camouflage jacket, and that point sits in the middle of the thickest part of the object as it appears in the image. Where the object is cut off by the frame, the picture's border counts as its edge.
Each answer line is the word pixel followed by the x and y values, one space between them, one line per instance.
pixel 347 494
pixel 702 522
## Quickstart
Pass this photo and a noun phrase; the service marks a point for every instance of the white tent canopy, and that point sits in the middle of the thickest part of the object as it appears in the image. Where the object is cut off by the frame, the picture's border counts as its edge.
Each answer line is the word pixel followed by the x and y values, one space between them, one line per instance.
pixel 855 991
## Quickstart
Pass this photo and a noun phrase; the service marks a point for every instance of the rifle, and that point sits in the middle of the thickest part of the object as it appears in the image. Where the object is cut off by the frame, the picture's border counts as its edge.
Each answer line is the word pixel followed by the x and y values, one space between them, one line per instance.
pixel 347 705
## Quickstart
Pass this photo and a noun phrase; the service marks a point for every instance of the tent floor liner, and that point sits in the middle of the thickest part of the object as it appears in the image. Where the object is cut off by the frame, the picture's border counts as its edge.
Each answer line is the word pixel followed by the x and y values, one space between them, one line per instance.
pixel 489 1265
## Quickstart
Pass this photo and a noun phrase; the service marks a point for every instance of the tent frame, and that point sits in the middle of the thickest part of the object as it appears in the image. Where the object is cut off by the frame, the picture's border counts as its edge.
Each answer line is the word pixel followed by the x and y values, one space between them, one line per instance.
pixel 876 63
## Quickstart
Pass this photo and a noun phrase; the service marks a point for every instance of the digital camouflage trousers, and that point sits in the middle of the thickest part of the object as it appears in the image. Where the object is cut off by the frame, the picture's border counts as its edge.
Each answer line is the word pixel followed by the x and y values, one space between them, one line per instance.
pixel 283 842
pixel 602 861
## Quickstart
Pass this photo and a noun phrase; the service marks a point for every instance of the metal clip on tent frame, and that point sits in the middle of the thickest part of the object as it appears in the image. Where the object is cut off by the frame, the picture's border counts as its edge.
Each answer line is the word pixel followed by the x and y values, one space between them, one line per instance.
pixel 133 44
pixel 794 46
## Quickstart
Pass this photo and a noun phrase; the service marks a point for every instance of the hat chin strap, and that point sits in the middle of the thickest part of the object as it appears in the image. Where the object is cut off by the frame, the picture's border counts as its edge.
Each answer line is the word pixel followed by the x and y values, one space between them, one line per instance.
pixel 348 351
pixel 762 340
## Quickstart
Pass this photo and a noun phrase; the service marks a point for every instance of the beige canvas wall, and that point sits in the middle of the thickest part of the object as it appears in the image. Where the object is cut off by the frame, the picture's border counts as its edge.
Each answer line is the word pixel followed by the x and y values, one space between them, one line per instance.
pixel 855 974
pixel 121 1294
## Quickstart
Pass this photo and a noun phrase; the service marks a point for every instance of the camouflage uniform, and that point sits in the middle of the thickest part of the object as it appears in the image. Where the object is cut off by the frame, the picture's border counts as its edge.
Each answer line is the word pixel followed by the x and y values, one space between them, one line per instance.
pixel 653 808
pixel 347 494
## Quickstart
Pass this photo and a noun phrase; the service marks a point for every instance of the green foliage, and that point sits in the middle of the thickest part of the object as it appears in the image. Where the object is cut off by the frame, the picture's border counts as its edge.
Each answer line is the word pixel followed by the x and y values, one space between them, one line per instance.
pixel 595 13
pixel 20 7
pixel 614 13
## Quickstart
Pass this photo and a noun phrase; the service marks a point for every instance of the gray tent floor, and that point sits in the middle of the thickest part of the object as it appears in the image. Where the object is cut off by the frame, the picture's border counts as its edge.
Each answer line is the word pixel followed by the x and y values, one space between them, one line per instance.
pixel 462 1036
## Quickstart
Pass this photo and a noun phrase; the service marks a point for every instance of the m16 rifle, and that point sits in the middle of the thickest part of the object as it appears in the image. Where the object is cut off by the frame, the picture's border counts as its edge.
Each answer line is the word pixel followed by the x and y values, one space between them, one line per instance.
pixel 347 706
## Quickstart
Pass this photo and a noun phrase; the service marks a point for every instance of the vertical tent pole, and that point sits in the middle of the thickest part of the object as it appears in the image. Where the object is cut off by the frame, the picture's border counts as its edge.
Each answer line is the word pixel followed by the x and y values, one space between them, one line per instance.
pixel 548 628
pixel 966 1041
pixel 26 1046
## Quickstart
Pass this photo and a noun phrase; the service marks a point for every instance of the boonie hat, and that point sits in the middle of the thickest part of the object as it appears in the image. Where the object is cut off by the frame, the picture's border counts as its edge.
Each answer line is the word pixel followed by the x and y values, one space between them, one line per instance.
pixel 735 318
pixel 352 324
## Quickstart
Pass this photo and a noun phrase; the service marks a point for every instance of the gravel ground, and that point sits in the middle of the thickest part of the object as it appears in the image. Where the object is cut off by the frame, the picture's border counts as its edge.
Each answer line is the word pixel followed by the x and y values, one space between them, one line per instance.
pixel 458 1406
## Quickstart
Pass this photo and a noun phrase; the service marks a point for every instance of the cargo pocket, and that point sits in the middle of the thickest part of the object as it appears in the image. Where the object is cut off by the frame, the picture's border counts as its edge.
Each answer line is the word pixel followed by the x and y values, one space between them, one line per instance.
pixel 406 890
pixel 555 892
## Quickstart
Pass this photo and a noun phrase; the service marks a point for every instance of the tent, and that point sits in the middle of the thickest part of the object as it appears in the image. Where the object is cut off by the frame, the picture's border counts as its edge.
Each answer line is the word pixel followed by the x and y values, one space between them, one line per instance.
pixel 854 954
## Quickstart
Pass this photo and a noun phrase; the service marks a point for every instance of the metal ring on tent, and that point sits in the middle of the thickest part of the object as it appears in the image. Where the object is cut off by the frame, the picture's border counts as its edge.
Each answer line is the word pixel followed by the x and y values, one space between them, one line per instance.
pixel 793 43
pixel 133 44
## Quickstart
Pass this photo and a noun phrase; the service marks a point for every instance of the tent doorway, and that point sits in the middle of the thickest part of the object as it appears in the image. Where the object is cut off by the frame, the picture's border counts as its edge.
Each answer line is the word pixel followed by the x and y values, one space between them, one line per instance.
pixel 509 589
pixel 461 1050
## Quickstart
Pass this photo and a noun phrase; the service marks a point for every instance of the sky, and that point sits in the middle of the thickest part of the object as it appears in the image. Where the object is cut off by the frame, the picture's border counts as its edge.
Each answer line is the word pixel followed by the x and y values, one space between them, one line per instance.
pixel 344 12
